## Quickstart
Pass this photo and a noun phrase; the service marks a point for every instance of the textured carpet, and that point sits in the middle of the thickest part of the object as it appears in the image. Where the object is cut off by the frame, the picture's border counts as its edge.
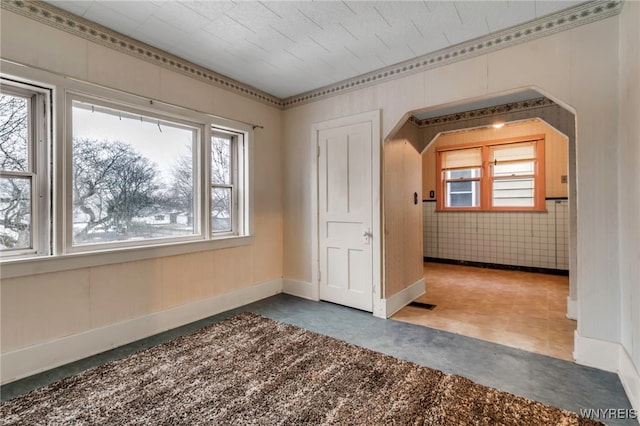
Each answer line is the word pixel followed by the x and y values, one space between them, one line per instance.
pixel 252 370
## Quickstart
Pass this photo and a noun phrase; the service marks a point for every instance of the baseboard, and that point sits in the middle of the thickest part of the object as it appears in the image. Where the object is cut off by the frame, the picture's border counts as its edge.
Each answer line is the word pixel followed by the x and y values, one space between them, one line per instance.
pixel 301 289
pixel 44 356
pixel 612 357
pixel 486 265
pixel 402 298
pixel 630 378
pixel 572 308
pixel 596 353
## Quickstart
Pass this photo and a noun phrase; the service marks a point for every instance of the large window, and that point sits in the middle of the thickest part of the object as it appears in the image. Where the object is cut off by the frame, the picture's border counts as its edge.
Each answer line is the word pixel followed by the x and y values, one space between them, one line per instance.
pixel 86 169
pixel 497 175
pixel 132 175
pixel 23 169
pixel 143 177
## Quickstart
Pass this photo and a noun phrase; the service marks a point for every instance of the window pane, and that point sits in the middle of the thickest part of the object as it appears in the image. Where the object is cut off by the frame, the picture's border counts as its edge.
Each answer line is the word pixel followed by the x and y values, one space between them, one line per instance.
pixel 221 209
pixel 14 133
pixel 220 160
pixel 15 213
pixel 513 192
pixel 133 176
pixel 463 194
pixel 464 186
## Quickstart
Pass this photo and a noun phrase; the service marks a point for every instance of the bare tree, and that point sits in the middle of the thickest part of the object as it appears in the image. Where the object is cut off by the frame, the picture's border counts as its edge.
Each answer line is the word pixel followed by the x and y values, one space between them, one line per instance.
pixel 15 191
pixel 221 180
pixel 180 194
pixel 14 133
pixel 112 184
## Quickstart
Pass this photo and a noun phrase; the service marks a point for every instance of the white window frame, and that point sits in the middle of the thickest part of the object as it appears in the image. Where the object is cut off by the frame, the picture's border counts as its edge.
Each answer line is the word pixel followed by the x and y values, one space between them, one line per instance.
pixel 474 191
pixel 38 165
pixel 238 148
pixel 128 109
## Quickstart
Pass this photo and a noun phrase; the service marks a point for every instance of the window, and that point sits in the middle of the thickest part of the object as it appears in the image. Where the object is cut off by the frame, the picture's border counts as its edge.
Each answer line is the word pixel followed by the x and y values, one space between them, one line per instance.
pixel 137 177
pixel 498 175
pixel 23 169
pixel 223 182
pixel 462 172
pixel 133 175
pixel 513 174
pixel 132 178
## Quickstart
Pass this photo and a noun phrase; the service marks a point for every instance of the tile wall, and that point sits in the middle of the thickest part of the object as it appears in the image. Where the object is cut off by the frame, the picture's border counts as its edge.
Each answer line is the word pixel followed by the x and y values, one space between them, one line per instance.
pixel 532 239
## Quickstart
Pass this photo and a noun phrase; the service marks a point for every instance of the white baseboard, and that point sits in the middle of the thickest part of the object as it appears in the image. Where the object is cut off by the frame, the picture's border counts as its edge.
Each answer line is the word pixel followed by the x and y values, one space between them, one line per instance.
pixel 44 356
pixel 596 353
pixel 402 298
pixel 300 289
pixel 572 308
pixel 612 357
pixel 630 378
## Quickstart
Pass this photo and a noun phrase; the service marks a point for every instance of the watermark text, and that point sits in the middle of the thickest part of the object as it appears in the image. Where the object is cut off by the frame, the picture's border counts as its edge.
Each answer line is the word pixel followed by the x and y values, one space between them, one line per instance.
pixel 609 413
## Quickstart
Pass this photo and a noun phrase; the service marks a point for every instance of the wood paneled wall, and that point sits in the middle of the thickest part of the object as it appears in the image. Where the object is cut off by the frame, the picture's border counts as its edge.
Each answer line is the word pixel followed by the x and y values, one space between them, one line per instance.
pixel 402 217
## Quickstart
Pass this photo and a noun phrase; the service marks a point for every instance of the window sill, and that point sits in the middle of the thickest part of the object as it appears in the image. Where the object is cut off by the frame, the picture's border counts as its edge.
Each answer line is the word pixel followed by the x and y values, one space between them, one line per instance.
pixel 18 267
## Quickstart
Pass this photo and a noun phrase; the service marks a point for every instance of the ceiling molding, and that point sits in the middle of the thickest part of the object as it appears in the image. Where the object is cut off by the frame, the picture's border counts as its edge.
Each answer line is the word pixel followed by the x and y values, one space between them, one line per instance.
pixel 483 112
pixel 561 21
pixel 551 24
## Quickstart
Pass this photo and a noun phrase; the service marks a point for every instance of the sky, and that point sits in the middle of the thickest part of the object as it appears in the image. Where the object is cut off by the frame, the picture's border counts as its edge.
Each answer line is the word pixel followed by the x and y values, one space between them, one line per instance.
pixel 161 147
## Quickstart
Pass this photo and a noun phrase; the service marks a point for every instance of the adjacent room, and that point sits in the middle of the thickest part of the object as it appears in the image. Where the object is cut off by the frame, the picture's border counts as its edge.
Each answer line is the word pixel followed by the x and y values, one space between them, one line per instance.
pixel 238 212
pixel 512 230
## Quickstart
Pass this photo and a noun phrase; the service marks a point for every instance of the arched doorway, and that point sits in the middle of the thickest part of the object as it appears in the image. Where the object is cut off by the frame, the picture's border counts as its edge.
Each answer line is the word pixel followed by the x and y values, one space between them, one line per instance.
pixel 524 107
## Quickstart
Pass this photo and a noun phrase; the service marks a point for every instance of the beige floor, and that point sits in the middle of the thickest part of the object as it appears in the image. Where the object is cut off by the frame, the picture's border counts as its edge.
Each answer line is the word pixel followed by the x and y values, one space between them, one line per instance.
pixel 518 309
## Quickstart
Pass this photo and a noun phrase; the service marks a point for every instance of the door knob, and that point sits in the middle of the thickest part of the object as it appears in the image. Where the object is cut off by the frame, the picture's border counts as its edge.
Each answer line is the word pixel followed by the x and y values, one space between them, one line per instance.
pixel 367 236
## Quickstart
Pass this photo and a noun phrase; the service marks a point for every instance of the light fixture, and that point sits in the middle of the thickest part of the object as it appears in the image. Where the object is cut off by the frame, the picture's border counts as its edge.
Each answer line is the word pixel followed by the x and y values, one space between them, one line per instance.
pixel 498 125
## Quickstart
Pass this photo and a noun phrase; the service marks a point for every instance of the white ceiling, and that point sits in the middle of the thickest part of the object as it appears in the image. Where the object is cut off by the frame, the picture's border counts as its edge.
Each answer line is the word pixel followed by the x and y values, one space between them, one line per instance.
pixel 286 48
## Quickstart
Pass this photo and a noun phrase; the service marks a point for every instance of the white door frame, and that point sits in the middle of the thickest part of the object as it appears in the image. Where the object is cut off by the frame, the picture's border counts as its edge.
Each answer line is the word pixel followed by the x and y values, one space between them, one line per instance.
pixel 376 223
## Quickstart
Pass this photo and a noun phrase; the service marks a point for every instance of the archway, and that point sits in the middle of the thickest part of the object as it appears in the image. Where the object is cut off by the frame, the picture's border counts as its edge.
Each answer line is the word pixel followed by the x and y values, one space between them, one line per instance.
pixel 419 128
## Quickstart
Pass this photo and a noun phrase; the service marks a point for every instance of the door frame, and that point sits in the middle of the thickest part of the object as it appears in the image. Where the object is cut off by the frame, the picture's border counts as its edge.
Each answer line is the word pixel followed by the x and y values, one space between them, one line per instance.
pixel 373 117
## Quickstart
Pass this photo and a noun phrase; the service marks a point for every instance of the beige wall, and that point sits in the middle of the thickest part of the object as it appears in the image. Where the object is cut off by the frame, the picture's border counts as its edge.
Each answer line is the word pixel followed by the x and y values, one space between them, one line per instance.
pixel 584 60
pixel 629 178
pixel 46 307
pixel 402 218
pixel 555 149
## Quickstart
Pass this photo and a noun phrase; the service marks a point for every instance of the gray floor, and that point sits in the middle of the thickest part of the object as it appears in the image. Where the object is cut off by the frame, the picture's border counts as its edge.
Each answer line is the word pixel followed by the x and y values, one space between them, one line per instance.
pixel 538 377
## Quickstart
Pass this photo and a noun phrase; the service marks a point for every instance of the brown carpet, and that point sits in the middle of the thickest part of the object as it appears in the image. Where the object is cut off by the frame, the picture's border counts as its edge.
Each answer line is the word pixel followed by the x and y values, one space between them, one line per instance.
pixel 252 370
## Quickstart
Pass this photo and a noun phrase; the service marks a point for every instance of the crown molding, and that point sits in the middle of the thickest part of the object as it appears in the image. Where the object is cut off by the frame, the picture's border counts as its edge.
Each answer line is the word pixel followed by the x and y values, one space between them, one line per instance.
pixel 89 30
pixel 483 112
pixel 547 25
pixel 560 21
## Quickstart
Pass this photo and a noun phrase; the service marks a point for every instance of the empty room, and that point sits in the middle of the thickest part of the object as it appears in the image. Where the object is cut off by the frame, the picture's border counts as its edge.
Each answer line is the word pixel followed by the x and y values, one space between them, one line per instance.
pixel 218 212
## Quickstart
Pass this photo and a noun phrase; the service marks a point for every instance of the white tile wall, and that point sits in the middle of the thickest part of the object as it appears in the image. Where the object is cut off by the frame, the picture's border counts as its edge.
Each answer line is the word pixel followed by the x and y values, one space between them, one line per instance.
pixel 509 238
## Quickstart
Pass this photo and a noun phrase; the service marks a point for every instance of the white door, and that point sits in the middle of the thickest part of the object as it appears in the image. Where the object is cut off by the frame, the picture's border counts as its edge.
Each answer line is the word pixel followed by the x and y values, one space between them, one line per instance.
pixel 345 215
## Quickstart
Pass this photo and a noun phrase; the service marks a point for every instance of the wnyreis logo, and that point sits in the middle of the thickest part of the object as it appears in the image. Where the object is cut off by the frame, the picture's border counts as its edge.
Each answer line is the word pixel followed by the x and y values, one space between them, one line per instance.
pixel 609 413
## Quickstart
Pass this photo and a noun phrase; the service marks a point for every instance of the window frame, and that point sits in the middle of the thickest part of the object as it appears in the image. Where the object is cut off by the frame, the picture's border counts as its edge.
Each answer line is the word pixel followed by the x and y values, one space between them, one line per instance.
pixel 487 178
pixel 235 151
pixel 69 247
pixel 38 171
